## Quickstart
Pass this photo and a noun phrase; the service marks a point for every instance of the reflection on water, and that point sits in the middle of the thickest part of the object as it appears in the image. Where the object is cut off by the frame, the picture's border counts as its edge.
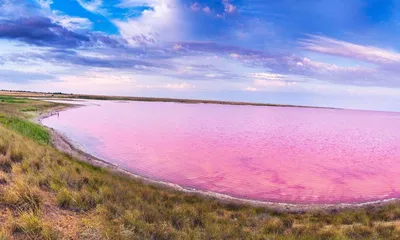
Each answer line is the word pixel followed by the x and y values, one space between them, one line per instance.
pixel 297 155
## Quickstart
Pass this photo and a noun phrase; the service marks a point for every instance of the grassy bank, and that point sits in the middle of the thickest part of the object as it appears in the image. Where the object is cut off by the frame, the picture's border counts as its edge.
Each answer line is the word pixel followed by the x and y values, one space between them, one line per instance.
pixel 45 194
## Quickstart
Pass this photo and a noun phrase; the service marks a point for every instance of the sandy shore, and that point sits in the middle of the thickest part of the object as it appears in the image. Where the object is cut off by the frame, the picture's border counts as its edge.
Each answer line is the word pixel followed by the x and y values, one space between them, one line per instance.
pixel 65 145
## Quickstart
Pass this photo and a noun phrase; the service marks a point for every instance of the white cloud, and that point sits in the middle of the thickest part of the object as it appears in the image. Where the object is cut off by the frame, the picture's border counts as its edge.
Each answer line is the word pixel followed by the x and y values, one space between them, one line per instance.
pixel 71 23
pixel 267 76
pixel 273 83
pixel 266 80
pixel 161 23
pixel 45 4
pixel 91 5
pixel 251 89
pixel 183 85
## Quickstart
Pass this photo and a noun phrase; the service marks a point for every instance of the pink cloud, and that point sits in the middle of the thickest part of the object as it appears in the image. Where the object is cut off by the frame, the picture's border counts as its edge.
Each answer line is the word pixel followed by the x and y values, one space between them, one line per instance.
pixel 206 9
pixel 229 8
pixel 195 7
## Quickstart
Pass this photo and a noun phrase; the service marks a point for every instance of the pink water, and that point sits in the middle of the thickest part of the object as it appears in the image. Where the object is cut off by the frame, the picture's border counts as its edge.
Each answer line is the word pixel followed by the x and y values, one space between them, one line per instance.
pixel 292 155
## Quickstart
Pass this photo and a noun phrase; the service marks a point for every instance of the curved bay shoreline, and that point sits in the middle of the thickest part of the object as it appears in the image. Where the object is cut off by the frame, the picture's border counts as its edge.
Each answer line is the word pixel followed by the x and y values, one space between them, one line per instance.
pixel 65 145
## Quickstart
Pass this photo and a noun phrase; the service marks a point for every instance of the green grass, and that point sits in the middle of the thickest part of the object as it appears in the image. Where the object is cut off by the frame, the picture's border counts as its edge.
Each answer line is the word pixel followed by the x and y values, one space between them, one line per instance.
pixel 29 109
pixel 26 128
pixel 9 99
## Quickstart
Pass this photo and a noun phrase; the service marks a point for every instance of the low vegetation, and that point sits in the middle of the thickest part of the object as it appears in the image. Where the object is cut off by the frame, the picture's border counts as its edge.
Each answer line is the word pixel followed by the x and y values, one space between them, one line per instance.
pixel 45 194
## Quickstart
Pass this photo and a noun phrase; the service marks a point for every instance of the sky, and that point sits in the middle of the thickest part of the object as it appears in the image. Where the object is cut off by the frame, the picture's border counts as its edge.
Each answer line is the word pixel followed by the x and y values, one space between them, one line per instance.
pixel 333 53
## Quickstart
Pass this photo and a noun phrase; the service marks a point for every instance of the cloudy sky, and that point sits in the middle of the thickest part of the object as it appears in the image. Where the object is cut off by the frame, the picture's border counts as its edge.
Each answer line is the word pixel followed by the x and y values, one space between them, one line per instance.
pixel 340 53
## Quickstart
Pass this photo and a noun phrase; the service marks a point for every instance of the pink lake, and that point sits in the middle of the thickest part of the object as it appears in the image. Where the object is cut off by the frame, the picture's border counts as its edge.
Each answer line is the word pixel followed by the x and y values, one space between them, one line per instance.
pixel 291 155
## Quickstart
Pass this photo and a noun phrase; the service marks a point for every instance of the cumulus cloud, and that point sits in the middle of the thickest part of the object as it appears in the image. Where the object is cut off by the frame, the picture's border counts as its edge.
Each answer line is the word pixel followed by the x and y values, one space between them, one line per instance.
pixel 161 22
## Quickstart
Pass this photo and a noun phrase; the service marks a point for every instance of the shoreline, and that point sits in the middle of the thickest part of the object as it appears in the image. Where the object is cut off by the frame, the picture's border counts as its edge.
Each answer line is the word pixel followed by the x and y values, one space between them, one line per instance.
pixel 66 146
pixel 74 97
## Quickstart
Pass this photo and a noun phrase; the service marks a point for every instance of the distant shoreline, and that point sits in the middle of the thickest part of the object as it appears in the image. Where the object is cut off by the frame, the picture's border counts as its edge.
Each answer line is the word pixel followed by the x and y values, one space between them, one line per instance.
pixel 146 99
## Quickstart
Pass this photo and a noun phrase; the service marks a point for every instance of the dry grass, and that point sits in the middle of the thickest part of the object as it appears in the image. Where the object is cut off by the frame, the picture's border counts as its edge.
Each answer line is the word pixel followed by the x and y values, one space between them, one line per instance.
pixel 45 194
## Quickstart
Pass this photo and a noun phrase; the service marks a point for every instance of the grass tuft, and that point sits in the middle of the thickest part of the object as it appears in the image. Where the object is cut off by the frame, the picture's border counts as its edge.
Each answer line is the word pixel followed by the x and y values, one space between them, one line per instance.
pixel 31 226
pixel 20 195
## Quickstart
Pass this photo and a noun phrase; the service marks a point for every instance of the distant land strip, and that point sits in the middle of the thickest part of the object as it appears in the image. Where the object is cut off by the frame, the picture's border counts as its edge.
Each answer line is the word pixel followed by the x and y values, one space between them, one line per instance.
pixel 61 95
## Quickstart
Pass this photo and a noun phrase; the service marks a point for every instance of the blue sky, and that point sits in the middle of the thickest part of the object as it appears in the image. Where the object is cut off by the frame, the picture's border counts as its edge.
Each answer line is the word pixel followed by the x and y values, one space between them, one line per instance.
pixel 309 52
